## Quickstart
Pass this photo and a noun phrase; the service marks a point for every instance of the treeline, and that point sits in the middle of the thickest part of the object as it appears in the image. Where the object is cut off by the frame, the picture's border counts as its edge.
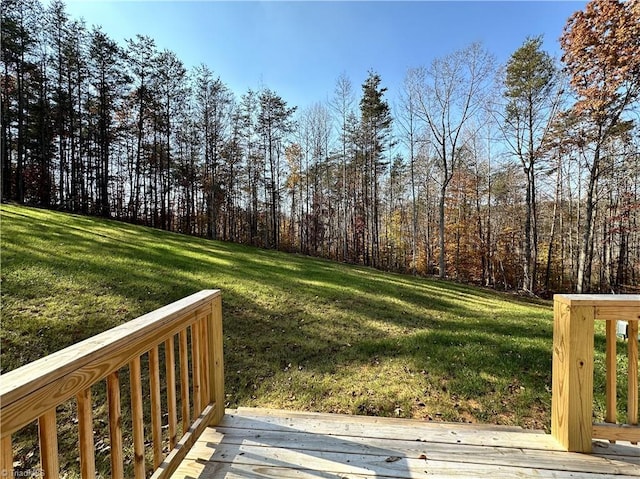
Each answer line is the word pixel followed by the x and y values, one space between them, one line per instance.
pixel 525 176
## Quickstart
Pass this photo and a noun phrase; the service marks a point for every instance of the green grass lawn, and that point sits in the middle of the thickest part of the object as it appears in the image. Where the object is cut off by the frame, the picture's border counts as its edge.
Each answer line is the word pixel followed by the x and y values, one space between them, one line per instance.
pixel 300 333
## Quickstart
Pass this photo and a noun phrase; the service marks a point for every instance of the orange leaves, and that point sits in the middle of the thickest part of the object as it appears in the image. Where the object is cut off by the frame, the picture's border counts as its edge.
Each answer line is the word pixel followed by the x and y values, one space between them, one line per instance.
pixel 602 54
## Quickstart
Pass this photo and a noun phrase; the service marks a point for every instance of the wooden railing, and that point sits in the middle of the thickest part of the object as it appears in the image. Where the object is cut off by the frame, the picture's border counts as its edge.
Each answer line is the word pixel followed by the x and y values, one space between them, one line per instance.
pixel 34 391
pixel 573 367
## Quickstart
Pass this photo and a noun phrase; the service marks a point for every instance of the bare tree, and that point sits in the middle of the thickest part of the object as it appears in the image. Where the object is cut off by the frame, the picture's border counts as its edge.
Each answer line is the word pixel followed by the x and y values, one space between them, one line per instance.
pixel 451 91
pixel 342 106
pixel 412 134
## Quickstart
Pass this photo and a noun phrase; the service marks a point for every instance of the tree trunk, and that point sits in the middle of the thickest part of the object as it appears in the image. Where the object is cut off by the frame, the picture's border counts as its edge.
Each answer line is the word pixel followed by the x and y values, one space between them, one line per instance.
pixel 441 216
pixel 20 159
pixel 6 140
pixel 527 280
pixel 554 219
pixel 583 280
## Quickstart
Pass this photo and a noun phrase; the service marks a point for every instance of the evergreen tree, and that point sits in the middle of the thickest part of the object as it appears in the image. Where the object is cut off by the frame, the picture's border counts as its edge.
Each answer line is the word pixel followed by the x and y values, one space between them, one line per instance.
pixel 274 123
pixel 21 21
pixel 375 120
pixel 108 81
pixel 141 53
pixel 212 105
pixel 170 83
pixel 532 105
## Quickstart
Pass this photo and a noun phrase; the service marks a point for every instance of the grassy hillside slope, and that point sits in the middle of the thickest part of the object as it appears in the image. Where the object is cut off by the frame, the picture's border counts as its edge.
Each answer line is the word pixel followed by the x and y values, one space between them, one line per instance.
pixel 300 333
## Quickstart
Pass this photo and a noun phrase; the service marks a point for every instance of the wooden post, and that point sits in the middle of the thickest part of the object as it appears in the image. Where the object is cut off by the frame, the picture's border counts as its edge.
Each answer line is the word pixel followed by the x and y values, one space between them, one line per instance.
pixel 611 362
pixel 216 362
pixel 184 381
pixel 85 435
pixel 137 418
pixel 115 425
pixel 48 435
pixel 170 364
pixel 572 382
pixel 632 400
pixel 196 375
pixel 156 406
pixel 6 457
pixel 206 363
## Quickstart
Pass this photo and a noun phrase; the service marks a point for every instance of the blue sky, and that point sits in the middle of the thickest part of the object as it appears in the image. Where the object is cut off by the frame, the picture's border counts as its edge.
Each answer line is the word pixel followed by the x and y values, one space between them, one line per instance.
pixel 300 48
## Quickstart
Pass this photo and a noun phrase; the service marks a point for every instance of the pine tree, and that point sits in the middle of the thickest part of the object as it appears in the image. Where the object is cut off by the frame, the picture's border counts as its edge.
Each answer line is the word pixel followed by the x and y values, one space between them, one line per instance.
pixel 170 82
pixel 141 53
pixel 274 123
pixel 529 83
pixel 108 81
pixel 375 120
pixel 21 21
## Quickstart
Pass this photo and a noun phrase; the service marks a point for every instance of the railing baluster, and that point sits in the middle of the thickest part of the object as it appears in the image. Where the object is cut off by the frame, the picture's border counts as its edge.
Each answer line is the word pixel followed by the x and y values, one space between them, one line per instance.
pixel 184 381
pixel 85 435
pixel 632 400
pixel 6 457
pixel 611 371
pixel 156 406
pixel 48 436
pixel 137 417
pixel 170 364
pixel 195 356
pixel 115 425
pixel 204 354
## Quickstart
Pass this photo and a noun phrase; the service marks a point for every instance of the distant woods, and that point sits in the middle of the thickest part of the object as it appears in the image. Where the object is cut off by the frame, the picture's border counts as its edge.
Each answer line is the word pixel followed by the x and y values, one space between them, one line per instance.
pixel 520 177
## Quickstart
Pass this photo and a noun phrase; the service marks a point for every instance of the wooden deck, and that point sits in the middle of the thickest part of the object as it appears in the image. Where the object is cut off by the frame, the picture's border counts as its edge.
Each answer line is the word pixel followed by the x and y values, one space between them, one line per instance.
pixel 263 443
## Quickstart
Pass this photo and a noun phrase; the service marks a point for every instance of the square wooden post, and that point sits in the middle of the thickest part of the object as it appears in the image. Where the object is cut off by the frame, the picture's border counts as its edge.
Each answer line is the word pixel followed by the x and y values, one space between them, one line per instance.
pixel 216 363
pixel 572 381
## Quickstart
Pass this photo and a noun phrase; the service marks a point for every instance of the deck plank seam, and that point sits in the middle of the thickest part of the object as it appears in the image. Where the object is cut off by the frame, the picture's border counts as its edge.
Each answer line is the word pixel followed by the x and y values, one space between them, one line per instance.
pixel 387 438
pixel 617 466
pixel 517 470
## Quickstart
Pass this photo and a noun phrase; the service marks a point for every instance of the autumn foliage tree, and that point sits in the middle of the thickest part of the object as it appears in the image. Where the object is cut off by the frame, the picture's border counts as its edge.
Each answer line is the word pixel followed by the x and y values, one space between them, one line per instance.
pixel 602 56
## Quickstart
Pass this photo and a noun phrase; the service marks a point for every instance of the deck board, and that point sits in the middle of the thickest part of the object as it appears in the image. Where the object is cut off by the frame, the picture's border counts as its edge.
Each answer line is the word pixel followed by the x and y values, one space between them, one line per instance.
pixel 259 443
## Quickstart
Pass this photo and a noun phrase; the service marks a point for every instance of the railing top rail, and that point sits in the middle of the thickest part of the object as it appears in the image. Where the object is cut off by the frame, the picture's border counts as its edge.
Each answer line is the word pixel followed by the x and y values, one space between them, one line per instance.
pixel 20 383
pixel 632 300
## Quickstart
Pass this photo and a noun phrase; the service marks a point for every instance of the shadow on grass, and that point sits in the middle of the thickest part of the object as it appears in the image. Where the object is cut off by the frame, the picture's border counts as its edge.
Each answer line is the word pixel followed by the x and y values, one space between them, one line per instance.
pixel 68 277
